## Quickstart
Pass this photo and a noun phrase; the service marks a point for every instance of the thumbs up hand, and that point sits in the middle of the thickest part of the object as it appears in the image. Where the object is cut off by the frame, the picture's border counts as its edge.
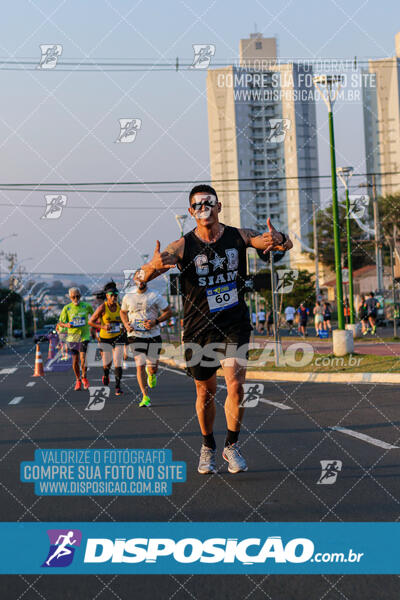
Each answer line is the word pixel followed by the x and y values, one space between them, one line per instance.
pixel 159 263
pixel 272 238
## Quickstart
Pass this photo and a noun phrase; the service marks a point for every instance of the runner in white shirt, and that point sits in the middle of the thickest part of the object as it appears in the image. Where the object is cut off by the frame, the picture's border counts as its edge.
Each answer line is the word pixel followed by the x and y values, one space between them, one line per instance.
pixel 289 316
pixel 142 310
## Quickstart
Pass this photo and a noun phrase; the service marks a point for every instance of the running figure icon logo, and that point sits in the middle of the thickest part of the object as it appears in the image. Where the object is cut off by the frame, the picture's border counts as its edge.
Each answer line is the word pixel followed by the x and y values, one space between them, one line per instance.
pixel 252 393
pixel 54 206
pixel 128 130
pixel 63 543
pixel 202 55
pixel 358 206
pixel 330 470
pixel 278 130
pixel 286 279
pixel 98 397
pixel 50 55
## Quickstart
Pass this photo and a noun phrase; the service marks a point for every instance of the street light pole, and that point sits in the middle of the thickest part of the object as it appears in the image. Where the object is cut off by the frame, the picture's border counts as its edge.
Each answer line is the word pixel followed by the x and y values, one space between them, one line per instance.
pixel 23 328
pixel 329 82
pixel 315 235
pixel 180 219
pixel 274 309
pixel 378 247
pixel 392 244
pixel 345 174
pixel 2 253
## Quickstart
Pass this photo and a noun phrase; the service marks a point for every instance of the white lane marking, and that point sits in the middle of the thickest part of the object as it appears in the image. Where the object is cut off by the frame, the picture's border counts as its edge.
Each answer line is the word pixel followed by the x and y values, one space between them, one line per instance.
pixel 173 370
pixel 8 371
pixel 277 404
pixel 31 384
pixel 365 438
pixel 16 400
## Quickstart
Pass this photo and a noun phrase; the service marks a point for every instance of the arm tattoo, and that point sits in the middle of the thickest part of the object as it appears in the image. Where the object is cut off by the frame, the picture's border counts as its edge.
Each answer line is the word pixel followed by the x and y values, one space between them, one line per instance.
pixel 173 250
pixel 250 233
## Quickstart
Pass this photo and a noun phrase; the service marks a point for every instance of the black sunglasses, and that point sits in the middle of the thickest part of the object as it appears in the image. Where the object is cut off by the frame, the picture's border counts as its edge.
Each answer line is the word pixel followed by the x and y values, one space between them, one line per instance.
pixel 210 202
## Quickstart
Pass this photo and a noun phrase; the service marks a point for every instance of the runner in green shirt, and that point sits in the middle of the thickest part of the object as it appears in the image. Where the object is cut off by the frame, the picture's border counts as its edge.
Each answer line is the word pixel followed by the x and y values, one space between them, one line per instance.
pixel 75 317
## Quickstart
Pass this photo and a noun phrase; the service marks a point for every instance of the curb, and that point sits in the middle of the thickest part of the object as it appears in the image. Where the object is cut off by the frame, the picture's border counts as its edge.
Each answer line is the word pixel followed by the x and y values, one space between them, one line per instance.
pixel 385 378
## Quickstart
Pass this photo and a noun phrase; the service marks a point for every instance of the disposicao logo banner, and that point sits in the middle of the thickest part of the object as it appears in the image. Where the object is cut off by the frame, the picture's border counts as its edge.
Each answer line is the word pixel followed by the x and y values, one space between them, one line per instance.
pixel 199 548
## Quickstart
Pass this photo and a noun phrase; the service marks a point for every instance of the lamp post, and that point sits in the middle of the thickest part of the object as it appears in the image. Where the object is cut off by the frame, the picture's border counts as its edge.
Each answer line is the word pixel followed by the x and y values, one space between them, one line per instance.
pixel 316 258
pixel 14 268
pixel 377 234
pixel 275 314
pixel 180 219
pixel 12 286
pixel 345 174
pixel 392 246
pixel 329 86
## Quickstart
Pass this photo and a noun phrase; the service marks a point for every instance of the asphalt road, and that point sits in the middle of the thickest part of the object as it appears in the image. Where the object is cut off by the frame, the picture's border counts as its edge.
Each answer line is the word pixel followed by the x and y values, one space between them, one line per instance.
pixel 284 438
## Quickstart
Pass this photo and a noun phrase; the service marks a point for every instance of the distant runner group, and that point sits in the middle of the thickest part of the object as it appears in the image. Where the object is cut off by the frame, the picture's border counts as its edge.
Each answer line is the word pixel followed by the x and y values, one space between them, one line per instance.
pixel 132 325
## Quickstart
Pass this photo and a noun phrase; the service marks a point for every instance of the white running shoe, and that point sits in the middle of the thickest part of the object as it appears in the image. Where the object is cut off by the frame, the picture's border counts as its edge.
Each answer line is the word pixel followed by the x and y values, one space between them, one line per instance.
pixel 207 462
pixel 235 460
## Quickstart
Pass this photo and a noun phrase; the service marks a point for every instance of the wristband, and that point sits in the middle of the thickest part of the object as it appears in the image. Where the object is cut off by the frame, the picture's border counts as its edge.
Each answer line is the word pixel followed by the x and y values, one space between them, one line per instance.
pixel 157 321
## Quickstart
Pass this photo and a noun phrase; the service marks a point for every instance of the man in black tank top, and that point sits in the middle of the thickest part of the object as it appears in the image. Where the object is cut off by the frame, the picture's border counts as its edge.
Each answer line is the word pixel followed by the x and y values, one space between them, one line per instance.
pixel 212 263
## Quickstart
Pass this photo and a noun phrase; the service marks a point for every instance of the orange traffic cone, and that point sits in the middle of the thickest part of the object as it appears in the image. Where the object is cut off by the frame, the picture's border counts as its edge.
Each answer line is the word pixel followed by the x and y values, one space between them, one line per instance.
pixel 52 348
pixel 39 372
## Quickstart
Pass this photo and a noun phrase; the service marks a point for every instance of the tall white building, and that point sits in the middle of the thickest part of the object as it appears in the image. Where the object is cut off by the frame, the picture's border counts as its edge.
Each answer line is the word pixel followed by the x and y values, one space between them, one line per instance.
pixel 262 131
pixel 381 103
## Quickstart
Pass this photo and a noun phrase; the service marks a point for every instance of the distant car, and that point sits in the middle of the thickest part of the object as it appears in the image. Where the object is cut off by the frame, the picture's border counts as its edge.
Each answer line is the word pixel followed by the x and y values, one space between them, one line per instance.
pixel 50 327
pixel 42 335
pixel 17 333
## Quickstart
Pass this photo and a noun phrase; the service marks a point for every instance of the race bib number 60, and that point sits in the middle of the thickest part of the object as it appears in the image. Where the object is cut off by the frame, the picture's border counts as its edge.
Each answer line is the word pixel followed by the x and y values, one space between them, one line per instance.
pixel 222 297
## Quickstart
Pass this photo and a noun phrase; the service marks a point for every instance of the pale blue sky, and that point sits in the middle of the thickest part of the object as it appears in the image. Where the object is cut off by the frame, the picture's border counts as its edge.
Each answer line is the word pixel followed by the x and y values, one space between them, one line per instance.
pixel 62 126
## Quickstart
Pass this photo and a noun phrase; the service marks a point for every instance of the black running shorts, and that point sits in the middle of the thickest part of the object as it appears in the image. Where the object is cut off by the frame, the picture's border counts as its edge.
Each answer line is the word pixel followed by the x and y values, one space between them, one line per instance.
pixel 149 346
pixel 200 353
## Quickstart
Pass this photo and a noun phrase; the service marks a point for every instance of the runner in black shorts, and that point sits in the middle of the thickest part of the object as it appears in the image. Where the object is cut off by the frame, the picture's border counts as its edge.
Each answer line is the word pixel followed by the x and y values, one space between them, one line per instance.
pixel 149 347
pixel 212 261
pixel 372 305
pixel 327 317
